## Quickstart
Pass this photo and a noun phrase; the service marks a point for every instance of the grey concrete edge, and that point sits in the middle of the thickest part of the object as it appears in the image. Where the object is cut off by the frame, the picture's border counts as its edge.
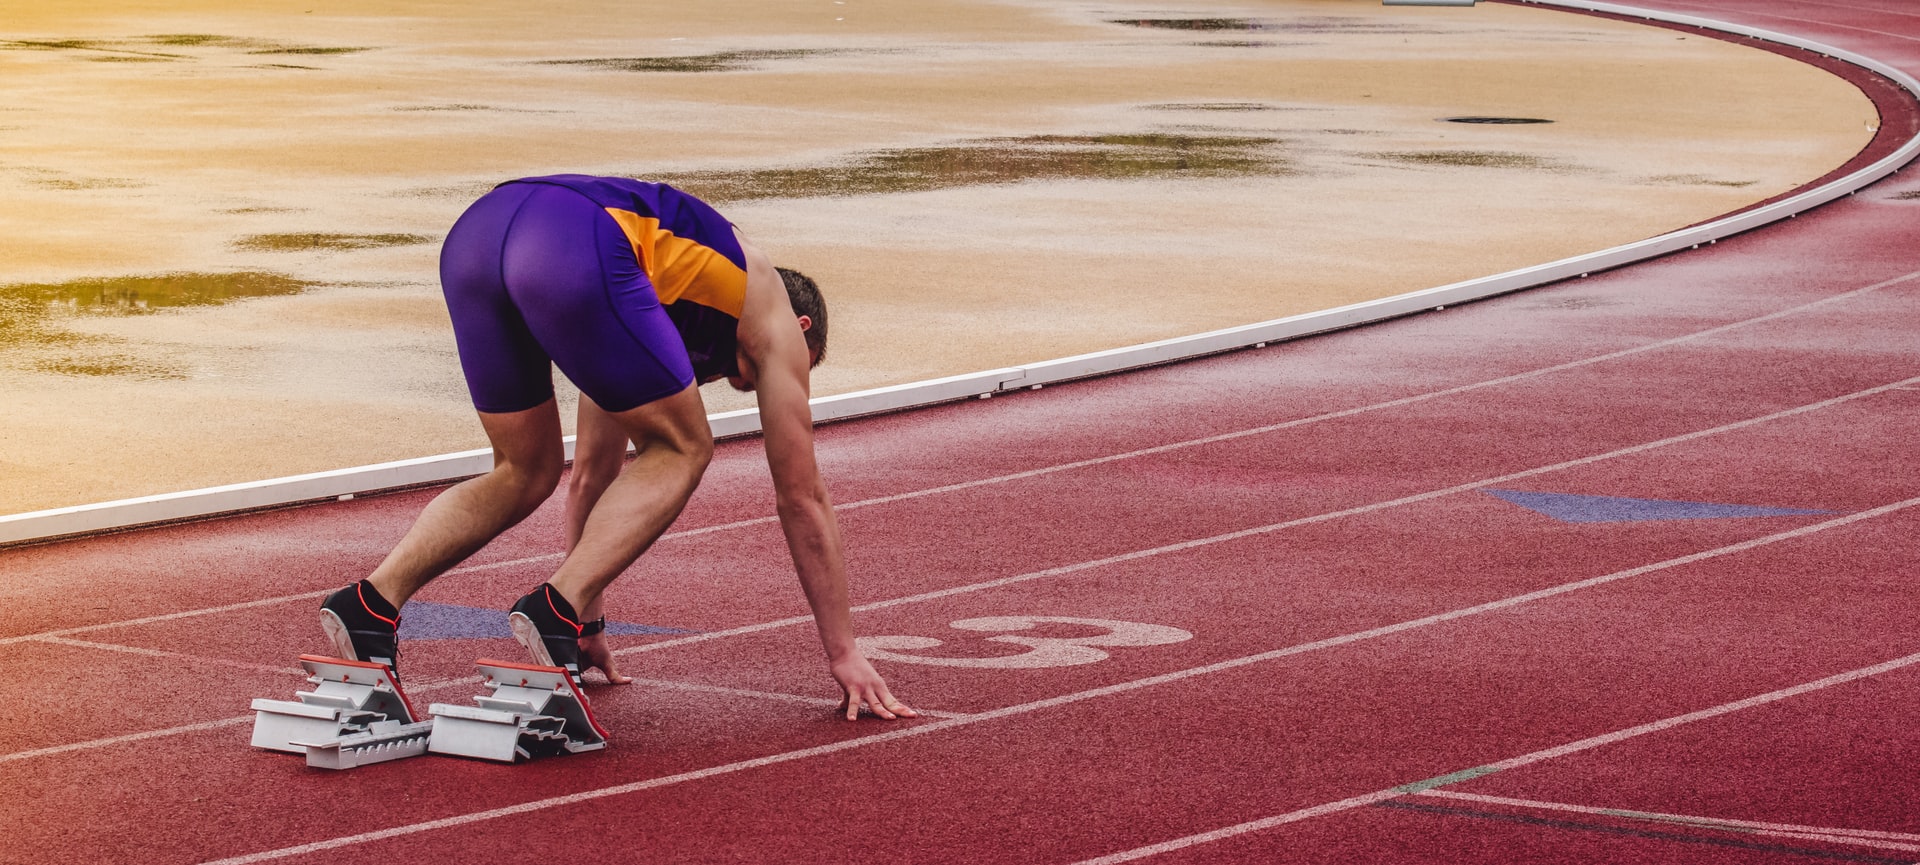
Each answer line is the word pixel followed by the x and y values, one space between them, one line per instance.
pixel 195 504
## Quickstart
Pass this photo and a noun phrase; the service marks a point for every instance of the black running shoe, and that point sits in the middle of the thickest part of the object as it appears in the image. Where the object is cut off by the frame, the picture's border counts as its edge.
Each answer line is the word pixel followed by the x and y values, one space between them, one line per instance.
pixel 362 625
pixel 546 624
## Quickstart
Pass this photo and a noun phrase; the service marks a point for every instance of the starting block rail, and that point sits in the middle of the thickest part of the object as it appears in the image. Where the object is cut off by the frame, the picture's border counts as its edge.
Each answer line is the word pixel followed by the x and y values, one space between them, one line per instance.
pixel 531 712
pixel 355 714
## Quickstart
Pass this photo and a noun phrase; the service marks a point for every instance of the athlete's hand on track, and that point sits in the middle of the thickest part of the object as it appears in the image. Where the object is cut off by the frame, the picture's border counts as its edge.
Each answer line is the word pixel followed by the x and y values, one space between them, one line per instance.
pixel 861 684
pixel 594 653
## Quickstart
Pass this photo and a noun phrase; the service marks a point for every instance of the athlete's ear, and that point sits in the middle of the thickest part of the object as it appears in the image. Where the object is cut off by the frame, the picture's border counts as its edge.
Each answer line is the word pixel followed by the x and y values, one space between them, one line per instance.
pixel 806 323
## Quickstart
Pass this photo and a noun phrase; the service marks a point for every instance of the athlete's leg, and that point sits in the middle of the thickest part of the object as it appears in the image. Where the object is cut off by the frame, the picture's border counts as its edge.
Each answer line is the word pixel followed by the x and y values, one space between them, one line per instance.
pixel 599 453
pixel 511 381
pixel 527 459
pixel 674 446
pixel 585 298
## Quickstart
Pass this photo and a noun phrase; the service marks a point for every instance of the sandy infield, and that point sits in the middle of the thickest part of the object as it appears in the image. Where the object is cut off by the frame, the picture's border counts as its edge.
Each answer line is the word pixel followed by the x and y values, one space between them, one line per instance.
pixel 973 183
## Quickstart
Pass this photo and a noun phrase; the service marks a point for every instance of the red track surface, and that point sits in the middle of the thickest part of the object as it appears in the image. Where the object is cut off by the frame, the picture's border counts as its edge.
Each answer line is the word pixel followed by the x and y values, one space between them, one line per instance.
pixel 1364 616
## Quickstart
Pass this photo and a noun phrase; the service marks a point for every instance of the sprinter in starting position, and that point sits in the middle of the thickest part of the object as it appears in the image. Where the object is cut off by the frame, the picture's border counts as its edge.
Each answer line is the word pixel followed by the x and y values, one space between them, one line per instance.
pixel 640 293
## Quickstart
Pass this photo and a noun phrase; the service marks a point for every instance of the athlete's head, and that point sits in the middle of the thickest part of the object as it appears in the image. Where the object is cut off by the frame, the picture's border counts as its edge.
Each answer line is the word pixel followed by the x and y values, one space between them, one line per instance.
pixel 809 306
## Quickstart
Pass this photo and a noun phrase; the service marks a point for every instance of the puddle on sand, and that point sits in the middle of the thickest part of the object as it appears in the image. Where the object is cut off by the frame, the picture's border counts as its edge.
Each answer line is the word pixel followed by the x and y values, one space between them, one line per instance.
pixel 133 295
pixel 723 61
pixel 298 49
pixel 1471 159
pixel 327 242
pixel 86 183
pixel 466 107
pixel 32 315
pixel 999 160
pixel 121 50
pixel 1194 23
pixel 1297 25
pixel 1213 106
pixel 123 366
pixel 1698 180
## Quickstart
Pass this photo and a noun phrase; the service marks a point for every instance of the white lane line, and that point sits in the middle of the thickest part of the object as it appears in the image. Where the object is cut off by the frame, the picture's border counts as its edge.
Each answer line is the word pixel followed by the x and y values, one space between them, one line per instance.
pixel 121 740
pixel 1420 787
pixel 162 653
pixel 1866 837
pixel 1148 682
pixel 166 617
pixel 1085 463
pixel 1261 530
pixel 824 702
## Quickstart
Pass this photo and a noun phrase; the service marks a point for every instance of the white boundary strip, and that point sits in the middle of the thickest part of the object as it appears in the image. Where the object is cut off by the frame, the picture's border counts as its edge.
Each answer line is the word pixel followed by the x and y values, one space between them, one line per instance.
pixel 192 504
pixel 1180 676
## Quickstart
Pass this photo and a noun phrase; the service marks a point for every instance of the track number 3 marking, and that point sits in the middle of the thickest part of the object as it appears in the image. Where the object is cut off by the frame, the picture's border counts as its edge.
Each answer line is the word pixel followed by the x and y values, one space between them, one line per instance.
pixel 1042 651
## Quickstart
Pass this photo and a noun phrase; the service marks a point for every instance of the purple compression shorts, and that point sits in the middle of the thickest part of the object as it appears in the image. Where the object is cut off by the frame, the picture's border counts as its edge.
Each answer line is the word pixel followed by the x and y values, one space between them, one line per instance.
pixel 535 273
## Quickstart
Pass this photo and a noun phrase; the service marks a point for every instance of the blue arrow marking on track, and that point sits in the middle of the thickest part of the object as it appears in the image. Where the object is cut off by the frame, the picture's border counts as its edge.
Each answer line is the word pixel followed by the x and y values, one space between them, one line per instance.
pixel 1570 508
pixel 424 621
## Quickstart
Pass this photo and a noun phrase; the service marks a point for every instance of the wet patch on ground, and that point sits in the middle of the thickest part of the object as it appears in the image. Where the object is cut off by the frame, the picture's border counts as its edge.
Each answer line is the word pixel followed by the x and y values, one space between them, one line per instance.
pixel 1698 180
pixel 721 61
pixel 462 107
pixel 1245 43
pixel 987 161
pixel 308 49
pixel 35 317
pixel 1326 24
pixel 1203 24
pixel 90 46
pixel 1483 120
pixel 115 365
pixel 86 183
pixel 1216 106
pixel 142 49
pixel 1471 159
pixel 317 242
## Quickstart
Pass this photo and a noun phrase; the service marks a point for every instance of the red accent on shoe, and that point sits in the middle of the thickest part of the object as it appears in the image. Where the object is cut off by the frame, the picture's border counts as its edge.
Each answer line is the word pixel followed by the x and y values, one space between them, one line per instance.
pixel 359 592
pixel 556 610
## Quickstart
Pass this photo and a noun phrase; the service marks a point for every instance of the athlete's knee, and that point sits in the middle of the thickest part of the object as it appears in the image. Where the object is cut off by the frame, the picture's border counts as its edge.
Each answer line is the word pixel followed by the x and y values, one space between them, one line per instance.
pixel 592 475
pixel 533 478
pixel 689 447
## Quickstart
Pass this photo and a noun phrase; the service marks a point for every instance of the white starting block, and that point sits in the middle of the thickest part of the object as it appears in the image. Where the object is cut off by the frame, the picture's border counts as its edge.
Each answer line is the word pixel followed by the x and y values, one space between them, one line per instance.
pixel 531 712
pixel 356 714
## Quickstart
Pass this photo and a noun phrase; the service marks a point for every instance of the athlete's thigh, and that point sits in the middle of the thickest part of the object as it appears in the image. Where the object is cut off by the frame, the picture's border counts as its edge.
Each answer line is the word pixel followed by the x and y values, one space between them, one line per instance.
pixel 573 276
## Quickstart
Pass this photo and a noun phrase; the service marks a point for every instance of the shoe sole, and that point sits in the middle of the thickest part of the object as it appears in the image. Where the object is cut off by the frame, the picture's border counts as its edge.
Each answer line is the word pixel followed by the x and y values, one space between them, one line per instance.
pixel 337 632
pixel 529 636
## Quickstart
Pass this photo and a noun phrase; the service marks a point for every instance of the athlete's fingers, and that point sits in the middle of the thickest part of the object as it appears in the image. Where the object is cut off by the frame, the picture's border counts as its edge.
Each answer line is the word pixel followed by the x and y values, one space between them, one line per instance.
pixel 613 675
pixel 894 705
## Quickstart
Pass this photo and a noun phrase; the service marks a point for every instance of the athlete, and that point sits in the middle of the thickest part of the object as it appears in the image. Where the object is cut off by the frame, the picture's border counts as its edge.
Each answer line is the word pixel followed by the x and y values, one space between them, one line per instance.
pixel 639 293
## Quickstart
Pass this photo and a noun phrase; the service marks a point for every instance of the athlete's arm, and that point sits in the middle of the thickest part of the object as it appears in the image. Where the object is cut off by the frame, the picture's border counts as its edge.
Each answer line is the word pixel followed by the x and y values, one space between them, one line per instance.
pixel 773 356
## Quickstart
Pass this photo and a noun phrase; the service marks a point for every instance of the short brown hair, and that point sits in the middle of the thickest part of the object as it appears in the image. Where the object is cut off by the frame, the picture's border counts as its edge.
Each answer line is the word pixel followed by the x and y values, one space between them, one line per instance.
pixel 804 294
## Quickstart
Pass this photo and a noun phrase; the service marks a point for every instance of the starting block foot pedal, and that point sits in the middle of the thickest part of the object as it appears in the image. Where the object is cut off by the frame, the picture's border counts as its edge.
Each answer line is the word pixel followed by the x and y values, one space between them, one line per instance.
pixel 532 712
pixel 355 714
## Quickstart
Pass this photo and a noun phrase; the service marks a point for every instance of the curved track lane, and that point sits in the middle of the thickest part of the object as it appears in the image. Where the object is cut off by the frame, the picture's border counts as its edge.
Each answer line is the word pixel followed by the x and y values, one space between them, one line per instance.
pixel 1615 569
